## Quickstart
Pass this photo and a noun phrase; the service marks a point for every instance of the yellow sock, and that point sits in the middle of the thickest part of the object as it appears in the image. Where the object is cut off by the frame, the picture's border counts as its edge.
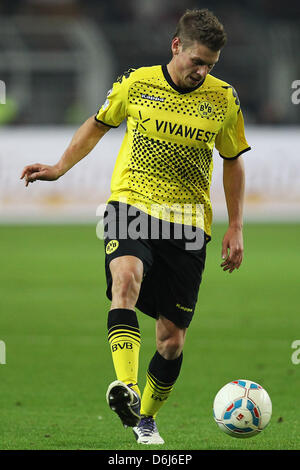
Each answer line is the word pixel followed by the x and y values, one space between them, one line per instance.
pixel 124 340
pixel 161 377
pixel 154 396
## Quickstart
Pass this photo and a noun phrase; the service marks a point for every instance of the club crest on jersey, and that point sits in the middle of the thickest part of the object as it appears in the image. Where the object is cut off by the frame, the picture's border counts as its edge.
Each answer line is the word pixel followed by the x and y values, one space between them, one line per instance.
pixel 205 109
pixel 111 247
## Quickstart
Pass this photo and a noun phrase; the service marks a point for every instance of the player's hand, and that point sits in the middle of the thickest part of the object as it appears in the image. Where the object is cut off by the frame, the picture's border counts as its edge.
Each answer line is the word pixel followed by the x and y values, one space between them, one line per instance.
pixel 37 171
pixel 232 249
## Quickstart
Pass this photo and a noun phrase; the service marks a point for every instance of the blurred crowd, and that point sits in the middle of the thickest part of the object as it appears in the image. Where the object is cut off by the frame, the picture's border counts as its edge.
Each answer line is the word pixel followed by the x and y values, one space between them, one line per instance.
pixel 139 32
pixel 159 10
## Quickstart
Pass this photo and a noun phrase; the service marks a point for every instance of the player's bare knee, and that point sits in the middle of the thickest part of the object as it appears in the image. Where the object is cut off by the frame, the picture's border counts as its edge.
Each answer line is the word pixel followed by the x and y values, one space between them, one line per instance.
pixel 126 285
pixel 170 347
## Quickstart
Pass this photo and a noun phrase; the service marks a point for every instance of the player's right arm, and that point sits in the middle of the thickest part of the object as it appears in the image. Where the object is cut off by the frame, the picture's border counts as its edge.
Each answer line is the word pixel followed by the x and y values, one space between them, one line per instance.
pixel 83 141
pixel 111 114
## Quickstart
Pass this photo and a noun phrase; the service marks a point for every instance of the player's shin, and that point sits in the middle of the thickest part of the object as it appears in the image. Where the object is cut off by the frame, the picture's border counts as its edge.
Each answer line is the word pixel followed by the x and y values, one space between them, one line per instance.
pixel 161 377
pixel 124 340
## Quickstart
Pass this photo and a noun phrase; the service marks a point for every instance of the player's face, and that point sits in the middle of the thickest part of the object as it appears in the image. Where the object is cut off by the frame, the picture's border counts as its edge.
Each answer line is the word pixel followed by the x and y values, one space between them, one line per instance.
pixel 190 65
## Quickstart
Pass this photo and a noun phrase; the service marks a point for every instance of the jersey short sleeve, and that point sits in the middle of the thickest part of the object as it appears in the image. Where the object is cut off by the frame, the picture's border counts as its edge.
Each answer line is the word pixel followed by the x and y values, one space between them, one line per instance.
pixel 114 110
pixel 230 141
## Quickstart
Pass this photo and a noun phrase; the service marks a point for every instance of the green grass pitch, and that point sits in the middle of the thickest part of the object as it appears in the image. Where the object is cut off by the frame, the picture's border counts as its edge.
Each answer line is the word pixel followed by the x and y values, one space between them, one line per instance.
pixel 58 364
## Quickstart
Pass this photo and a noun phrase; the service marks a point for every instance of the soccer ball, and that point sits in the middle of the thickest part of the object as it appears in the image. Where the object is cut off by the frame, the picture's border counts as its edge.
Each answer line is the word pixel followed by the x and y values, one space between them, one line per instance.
pixel 242 408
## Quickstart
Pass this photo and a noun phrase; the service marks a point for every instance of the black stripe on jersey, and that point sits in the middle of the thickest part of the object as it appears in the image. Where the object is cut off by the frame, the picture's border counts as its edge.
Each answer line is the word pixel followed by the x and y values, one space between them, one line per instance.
pixel 237 156
pixel 101 122
pixel 177 88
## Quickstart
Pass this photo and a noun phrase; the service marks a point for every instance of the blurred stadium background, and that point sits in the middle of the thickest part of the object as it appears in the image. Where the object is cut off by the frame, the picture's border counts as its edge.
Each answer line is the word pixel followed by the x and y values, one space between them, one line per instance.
pixel 58 59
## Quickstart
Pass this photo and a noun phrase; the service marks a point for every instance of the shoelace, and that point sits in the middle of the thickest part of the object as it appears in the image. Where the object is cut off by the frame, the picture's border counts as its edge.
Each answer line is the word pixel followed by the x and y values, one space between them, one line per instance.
pixel 147 425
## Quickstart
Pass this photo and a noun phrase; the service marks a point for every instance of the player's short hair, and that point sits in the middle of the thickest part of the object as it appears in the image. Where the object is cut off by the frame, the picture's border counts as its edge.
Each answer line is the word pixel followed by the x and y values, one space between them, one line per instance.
pixel 201 26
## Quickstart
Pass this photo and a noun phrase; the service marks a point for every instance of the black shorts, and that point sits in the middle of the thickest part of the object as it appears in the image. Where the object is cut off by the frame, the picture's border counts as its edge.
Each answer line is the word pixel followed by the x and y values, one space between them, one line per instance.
pixel 173 266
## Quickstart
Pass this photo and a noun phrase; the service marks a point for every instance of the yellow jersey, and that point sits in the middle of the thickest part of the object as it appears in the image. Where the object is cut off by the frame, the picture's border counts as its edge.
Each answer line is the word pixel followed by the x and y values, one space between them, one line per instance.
pixel 164 166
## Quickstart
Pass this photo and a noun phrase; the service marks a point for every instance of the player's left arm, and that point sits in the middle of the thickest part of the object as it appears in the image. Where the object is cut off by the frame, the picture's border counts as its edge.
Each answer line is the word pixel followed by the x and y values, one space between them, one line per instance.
pixel 234 188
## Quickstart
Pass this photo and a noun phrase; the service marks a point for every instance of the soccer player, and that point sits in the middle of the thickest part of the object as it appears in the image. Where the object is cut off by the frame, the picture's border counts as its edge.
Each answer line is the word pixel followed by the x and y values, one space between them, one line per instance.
pixel 175 114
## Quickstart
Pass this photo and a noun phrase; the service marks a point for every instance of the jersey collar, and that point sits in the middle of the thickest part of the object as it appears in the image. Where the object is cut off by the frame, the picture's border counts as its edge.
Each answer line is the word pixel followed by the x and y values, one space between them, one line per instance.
pixel 173 85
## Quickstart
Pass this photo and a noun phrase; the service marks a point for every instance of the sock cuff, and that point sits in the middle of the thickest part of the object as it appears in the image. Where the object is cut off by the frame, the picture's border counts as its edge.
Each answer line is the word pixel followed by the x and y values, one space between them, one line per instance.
pixel 122 316
pixel 165 370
